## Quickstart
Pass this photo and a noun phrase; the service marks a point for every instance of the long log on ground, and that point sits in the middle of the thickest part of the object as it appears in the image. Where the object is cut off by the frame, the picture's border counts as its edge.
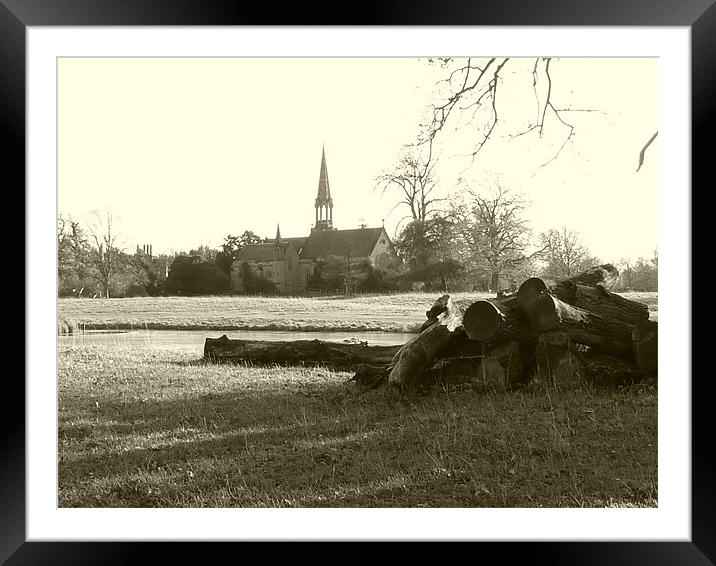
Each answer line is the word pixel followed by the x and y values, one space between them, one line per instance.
pixel 603 334
pixel 490 320
pixel 335 355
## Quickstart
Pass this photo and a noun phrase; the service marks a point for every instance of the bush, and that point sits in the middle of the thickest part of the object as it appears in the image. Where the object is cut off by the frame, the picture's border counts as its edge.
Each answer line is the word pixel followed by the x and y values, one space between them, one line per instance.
pixel 191 275
pixel 253 283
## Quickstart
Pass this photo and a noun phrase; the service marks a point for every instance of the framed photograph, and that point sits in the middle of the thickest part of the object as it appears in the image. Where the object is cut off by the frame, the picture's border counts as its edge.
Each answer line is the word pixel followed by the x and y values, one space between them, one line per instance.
pixel 325 205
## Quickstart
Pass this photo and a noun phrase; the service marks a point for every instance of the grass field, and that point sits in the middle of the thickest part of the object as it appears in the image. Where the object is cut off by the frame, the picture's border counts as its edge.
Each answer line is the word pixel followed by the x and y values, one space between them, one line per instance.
pixel 150 427
pixel 390 313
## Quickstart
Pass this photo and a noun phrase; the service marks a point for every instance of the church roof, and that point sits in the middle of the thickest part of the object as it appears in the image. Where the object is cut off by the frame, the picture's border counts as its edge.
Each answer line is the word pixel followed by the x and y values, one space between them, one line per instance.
pixel 261 252
pixel 324 189
pixel 356 243
pixel 298 243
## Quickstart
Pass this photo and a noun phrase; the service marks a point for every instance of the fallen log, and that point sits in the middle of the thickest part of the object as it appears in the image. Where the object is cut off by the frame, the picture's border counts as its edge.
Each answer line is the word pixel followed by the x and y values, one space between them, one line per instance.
pixel 604 370
pixel 588 290
pixel 418 353
pixel 645 342
pixel 597 299
pixel 438 308
pixel 604 275
pixel 603 334
pixel 559 361
pixel 334 355
pixel 490 320
pixel 500 367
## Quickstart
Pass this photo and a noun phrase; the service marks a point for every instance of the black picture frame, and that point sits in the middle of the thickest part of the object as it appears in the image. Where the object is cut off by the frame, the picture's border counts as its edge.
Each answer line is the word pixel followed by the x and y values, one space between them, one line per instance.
pixel 17 15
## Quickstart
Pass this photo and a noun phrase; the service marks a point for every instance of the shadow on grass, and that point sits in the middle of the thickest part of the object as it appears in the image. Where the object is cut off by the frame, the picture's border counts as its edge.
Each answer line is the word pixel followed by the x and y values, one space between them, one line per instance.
pixel 326 445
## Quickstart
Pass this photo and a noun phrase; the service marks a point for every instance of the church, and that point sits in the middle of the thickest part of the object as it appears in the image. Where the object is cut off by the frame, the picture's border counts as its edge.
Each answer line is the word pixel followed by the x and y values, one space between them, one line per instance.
pixel 289 263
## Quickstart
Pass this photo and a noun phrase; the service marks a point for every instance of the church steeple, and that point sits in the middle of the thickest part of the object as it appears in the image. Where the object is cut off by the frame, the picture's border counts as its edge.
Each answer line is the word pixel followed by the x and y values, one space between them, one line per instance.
pixel 324 202
pixel 278 234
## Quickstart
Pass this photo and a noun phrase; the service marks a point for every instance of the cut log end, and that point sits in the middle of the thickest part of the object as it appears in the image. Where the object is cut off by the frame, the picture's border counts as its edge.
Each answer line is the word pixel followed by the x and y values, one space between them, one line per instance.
pixel 529 292
pixel 482 321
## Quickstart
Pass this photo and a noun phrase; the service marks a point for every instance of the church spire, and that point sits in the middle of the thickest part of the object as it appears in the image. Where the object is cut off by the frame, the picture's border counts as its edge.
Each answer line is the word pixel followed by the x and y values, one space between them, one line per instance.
pixel 324 202
pixel 278 234
pixel 324 188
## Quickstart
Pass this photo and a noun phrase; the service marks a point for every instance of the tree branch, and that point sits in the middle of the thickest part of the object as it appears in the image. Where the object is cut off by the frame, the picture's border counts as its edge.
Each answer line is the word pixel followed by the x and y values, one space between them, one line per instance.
pixel 643 150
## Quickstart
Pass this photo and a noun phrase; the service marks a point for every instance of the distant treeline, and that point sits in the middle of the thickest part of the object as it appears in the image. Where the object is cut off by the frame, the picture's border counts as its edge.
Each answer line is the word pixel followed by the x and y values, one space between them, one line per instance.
pixel 440 253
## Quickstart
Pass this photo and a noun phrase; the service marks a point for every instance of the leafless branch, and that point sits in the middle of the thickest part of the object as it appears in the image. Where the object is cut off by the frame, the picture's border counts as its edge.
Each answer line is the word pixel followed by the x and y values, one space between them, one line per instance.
pixel 643 150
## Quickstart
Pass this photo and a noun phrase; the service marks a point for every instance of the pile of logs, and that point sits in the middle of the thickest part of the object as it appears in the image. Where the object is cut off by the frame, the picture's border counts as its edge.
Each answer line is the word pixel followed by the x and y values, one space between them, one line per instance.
pixel 560 332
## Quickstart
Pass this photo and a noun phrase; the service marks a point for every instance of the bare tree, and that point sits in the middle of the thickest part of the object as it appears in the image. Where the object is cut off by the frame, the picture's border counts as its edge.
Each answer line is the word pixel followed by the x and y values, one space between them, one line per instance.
pixel 472 91
pixel 73 251
pixel 105 260
pixel 413 178
pixel 564 254
pixel 493 228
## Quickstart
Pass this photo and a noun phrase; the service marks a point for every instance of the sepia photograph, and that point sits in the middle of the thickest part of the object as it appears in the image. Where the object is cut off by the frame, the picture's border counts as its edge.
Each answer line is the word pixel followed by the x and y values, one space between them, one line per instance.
pixel 357 282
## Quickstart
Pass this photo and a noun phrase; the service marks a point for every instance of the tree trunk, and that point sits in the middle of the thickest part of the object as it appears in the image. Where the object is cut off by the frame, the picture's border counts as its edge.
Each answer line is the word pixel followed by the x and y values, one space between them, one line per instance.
pixel 419 352
pixel 494 282
pixel 489 320
pixel 334 355
pixel 596 299
pixel 603 276
pixel 603 334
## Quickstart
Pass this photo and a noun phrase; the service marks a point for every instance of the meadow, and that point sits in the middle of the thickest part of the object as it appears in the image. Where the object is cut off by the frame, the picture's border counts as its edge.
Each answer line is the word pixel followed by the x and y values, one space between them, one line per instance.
pixel 153 425
pixel 389 313
pixel 158 428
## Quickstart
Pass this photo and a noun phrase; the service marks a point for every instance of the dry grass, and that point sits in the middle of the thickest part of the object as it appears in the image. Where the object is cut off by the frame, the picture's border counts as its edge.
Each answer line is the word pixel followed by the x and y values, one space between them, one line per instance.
pixel 155 427
pixel 390 313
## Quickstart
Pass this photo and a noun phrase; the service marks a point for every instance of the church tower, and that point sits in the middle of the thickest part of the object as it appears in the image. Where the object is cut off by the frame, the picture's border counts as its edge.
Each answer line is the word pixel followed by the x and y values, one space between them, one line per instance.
pixel 324 202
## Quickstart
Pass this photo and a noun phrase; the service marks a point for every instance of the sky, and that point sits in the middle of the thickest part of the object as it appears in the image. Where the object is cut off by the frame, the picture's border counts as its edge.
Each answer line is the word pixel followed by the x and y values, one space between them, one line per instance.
pixel 184 151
